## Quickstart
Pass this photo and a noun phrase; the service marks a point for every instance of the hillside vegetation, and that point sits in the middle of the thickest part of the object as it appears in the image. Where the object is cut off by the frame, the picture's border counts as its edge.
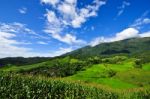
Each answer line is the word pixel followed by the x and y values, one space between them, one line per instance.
pixel 129 47
pixel 107 71
pixel 27 87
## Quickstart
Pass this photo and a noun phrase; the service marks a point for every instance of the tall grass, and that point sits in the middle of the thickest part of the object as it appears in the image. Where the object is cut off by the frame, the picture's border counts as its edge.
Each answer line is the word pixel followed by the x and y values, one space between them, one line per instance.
pixel 25 87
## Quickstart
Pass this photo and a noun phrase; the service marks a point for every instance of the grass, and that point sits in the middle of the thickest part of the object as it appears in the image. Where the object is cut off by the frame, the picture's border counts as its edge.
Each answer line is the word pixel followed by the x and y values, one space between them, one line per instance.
pixel 126 77
pixel 146 67
pixel 137 77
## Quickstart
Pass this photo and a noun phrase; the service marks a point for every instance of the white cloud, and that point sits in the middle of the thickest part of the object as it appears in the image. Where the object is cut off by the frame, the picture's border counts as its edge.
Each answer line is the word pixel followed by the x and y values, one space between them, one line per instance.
pixel 10 46
pixel 50 2
pixel 51 17
pixel 42 43
pixel 125 34
pixel 145 34
pixel 140 22
pixel 20 29
pixel 71 1
pixel 66 8
pixel 97 41
pixel 5 38
pixel 15 28
pixel 122 7
pixel 62 51
pixel 22 10
pixel 87 12
pixel 66 14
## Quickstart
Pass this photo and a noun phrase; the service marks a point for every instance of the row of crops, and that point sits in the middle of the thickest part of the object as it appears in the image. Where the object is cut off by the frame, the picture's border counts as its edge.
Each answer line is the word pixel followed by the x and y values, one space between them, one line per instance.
pixel 14 86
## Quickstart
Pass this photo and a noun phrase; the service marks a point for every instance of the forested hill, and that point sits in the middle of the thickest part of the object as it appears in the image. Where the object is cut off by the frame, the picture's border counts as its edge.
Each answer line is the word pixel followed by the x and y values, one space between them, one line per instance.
pixel 136 47
pixel 133 47
pixel 22 61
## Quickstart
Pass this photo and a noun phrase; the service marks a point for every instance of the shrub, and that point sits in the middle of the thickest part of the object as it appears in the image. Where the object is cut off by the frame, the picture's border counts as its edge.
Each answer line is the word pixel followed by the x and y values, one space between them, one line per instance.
pixel 137 63
pixel 94 60
pixel 111 73
pixel 114 60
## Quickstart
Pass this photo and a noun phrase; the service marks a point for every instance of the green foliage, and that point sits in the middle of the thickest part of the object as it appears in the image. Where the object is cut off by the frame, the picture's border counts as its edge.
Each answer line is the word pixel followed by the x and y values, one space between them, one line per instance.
pixel 114 60
pixel 59 67
pixel 17 87
pixel 138 63
pixel 131 47
pixel 20 61
pixel 94 60
pixel 111 73
pixel 23 87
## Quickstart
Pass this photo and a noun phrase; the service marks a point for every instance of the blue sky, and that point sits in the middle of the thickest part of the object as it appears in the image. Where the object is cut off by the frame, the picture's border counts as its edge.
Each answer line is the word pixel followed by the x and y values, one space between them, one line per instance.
pixel 52 27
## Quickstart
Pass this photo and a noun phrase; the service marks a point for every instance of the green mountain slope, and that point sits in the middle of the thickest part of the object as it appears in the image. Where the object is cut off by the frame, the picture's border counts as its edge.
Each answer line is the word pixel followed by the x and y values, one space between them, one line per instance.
pixel 122 64
pixel 134 47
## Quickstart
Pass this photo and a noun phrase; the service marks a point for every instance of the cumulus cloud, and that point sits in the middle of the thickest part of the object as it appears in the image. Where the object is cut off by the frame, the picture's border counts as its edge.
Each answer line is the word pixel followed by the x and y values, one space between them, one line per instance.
pixel 22 10
pixel 68 38
pixel 67 14
pixel 125 34
pixel 122 7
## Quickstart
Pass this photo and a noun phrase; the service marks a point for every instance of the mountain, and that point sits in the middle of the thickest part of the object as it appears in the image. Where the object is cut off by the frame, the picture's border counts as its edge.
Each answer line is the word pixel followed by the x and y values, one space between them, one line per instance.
pixel 22 61
pixel 135 47
pixel 131 47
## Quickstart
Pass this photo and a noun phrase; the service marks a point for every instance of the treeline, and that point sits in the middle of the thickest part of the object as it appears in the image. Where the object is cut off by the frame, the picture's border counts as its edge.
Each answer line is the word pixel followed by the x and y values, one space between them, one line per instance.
pixel 67 66
pixel 19 61
pixel 58 67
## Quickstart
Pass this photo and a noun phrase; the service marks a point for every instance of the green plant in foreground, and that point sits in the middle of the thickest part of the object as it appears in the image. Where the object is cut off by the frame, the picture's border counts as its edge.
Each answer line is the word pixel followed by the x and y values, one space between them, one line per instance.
pixel 25 87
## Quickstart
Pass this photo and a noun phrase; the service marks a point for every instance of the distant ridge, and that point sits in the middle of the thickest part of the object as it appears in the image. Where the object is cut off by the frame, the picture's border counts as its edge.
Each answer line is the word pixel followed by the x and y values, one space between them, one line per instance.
pixel 132 47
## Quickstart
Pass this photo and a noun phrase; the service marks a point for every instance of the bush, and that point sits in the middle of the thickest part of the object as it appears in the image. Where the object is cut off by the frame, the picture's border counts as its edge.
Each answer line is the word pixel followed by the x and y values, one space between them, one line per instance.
pixel 137 63
pixel 108 73
pixel 114 60
pixel 58 68
pixel 111 73
pixel 94 60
